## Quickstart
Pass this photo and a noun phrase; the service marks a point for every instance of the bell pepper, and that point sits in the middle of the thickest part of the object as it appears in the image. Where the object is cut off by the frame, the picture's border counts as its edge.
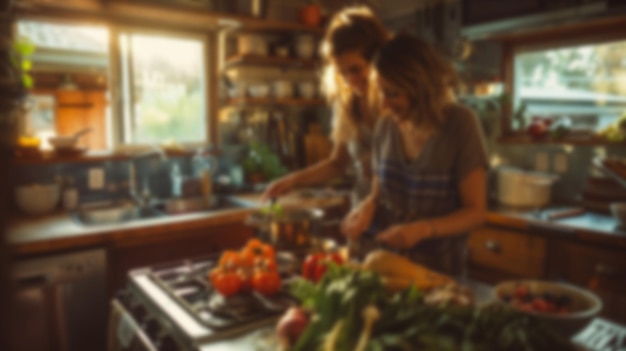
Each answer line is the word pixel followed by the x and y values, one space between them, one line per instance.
pixel 316 264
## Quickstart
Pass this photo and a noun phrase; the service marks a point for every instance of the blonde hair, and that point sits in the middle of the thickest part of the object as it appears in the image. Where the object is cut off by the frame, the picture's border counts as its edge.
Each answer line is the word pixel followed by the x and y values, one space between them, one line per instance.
pixel 423 73
pixel 353 29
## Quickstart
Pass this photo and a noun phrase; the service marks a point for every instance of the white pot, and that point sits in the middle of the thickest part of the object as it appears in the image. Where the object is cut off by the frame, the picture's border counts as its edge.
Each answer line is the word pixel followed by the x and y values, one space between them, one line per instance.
pixel 283 89
pixel 252 45
pixel 305 46
pixel 524 189
pixel 307 90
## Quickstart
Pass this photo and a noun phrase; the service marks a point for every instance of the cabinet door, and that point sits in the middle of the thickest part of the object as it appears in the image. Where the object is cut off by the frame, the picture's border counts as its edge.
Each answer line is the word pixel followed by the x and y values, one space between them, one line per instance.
pixel 598 269
pixel 514 253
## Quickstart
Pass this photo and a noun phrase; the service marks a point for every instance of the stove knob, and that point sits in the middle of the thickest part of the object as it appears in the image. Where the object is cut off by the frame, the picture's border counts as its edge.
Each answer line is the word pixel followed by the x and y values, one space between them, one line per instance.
pixel 168 343
pixel 152 328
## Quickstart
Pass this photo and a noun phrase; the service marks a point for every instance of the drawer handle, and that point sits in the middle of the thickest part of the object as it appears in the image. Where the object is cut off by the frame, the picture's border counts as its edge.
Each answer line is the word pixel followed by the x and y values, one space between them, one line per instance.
pixel 492 245
pixel 603 269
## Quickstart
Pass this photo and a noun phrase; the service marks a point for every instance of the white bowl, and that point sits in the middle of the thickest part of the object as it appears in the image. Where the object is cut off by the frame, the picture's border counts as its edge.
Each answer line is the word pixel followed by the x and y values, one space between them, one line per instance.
pixel 584 305
pixel 618 209
pixel 259 90
pixel 37 199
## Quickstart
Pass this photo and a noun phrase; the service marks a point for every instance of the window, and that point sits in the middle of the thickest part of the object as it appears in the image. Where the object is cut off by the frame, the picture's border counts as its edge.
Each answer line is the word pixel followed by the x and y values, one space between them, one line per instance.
pixel 164 89
pixel 584 84
pixel 160 80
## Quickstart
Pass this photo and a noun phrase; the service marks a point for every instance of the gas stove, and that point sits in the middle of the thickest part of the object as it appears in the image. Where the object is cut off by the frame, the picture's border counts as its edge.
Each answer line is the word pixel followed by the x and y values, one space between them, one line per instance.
pixel 175 307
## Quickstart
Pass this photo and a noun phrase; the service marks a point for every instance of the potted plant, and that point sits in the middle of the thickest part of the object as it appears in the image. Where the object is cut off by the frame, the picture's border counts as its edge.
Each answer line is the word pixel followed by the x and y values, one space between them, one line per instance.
pixel 261 164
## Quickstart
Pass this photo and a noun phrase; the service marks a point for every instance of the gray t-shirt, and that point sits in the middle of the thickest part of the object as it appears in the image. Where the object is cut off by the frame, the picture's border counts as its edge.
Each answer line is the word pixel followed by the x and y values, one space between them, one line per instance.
pixel 428 186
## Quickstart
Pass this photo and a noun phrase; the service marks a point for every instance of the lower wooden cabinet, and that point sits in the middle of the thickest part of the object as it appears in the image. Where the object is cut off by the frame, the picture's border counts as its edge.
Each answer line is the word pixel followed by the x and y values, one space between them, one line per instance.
pixel 601 270
pixel 176 246
pixel 507 253
pixel 497 254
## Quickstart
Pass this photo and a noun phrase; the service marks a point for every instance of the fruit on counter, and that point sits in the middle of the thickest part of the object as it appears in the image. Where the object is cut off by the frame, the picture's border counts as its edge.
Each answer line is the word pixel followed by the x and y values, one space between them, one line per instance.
pixel 28 141
pixel 524 300
pixel 349 308
pixel 316 264
pixel 399 272
pixel 292 324
pixel 253 267
pixel 539 127
pixel 266 282
pixel 226 282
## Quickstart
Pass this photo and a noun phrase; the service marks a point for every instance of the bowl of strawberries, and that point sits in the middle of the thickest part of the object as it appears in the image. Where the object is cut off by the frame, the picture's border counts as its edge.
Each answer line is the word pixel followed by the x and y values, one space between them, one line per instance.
pixel 565 307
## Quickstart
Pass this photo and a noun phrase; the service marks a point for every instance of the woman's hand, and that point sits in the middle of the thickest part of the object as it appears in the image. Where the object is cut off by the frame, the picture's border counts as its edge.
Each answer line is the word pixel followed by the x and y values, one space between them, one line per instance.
pixel 358 220
pixel 279 187
pixel 405 236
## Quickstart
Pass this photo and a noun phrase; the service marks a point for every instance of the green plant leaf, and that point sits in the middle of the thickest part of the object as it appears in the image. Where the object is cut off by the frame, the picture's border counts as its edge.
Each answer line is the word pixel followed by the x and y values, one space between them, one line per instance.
pixel 28 80
pixel 27 65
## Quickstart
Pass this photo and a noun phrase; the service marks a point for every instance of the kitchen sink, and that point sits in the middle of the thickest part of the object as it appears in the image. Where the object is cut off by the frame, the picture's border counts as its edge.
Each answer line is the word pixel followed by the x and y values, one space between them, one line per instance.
pixel 195 204
pixel 114 213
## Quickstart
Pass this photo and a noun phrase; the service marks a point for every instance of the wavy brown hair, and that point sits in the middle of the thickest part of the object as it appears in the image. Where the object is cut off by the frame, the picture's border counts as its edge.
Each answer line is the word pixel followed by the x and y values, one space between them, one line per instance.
pixel 354 28
pixel 420 71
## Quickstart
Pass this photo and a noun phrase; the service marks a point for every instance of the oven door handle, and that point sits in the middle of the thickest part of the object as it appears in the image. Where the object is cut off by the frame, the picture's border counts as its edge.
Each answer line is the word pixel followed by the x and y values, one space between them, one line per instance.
pixel 33 281
pixel 124 332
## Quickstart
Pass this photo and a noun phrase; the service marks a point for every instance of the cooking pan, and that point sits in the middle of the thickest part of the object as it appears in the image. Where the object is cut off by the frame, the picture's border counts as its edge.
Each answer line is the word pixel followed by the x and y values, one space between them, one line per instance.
pixel 292 230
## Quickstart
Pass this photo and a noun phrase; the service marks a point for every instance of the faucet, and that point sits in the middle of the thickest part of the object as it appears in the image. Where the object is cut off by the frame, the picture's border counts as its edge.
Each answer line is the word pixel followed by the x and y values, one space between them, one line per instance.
pixel 145 197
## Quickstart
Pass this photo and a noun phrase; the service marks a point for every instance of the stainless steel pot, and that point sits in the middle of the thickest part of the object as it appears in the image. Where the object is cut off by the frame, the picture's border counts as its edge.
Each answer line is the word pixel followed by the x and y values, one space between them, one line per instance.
pixel 294 229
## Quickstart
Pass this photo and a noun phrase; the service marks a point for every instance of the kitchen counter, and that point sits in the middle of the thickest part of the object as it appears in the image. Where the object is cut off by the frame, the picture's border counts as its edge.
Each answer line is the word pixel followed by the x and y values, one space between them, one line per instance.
pixel 587 227
pixel 59 231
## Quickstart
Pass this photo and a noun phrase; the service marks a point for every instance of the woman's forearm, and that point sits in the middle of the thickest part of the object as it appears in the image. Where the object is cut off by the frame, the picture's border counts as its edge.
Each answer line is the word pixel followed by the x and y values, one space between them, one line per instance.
pixel 320 172
pixel 458 222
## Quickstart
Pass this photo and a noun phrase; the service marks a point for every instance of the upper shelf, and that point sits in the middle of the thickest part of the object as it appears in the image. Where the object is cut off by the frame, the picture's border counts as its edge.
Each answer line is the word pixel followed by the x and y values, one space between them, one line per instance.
pixel 140 12
pixel 244 102
pixel 272 61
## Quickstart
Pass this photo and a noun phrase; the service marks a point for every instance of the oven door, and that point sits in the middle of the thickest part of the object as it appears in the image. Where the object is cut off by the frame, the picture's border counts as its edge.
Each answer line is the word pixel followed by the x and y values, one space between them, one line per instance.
pixel 124 332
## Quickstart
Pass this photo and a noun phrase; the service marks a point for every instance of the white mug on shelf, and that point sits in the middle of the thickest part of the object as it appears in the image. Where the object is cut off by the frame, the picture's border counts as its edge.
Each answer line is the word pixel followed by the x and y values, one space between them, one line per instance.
pixel 283 89
pixel 305 46
pixel 307 89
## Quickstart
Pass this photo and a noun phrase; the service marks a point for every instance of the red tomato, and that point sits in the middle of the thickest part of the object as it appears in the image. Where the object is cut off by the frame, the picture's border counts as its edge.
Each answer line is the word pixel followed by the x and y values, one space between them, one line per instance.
pixel 320 270
pixel 336 257
pixel 264 263
pixel 231 258
pixel 540 305
pixel 521 291
pixel 246 279
pixel 267 283
pixel 310 265
pixel 227 283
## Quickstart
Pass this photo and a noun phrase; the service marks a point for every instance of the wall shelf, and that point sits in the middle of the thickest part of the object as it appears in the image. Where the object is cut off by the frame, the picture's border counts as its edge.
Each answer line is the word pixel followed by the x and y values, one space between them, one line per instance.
pixel 50 157
pixel 245 102
pixel 271 61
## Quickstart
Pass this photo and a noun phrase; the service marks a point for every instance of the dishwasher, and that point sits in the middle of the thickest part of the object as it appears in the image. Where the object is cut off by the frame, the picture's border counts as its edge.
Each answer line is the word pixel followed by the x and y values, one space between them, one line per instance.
pixel 61 302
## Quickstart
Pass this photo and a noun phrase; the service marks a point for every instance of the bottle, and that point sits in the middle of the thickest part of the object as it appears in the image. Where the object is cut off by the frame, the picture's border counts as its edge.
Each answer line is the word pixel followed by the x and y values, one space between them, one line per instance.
pixel 177 181
pixel 70 195
pixel 203 167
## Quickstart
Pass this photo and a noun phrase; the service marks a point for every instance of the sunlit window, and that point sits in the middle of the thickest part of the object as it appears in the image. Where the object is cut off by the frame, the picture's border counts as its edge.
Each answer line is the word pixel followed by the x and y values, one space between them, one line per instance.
pixel 584 84
pixel 164 92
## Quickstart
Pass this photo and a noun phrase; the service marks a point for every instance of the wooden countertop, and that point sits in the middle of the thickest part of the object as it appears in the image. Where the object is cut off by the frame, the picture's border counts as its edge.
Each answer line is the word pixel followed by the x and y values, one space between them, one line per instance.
pixel 36 235
pixel 587 227
pixel 29 236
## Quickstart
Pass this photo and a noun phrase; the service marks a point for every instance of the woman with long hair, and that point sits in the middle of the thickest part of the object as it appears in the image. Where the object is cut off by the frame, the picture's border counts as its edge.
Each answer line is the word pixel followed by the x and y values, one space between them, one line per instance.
pixel 353 37
pixel 429 159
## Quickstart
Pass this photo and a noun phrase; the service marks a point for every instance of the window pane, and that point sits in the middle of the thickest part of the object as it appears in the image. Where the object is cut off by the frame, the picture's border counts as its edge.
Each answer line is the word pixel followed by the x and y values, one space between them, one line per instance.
pixel 586 84
pixel 167 90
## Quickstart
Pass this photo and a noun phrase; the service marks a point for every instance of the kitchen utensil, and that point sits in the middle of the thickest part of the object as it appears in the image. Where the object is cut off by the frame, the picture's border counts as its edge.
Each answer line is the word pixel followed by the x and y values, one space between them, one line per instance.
pixel 37 199
pixel 293 229
pixel 523 188
pixel 67 142
pixel 584 305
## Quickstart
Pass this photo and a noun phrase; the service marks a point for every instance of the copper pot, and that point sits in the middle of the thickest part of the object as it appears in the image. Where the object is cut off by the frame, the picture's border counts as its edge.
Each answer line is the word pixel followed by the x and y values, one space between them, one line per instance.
pixel 294 229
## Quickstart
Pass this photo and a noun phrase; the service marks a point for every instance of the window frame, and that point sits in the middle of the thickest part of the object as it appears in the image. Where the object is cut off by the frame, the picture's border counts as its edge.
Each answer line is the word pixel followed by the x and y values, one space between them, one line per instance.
pixel 578 34
pixel 117 99
pixel 115 130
